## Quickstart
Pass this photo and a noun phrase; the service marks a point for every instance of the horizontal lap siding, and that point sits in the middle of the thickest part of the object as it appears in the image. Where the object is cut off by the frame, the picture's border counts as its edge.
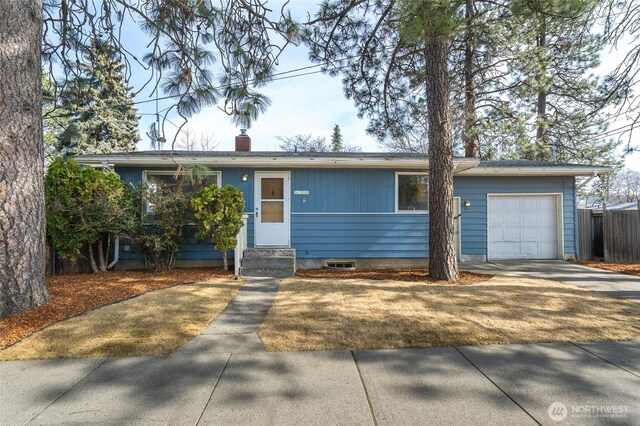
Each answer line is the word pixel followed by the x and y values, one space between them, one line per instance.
pixel 475 189
pixel 359 236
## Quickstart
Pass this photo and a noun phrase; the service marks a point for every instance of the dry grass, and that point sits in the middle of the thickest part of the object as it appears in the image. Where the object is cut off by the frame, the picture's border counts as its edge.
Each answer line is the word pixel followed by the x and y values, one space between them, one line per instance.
pixel 78 293
pixel 397 274
pixel 155 323
pixel 323 314
pixel 624 268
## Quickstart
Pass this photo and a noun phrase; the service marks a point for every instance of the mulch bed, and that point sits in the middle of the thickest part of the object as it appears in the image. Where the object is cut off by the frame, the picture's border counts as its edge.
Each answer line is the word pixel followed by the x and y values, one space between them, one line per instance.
pixel 404 274
pixel 77 293
pixel 623 268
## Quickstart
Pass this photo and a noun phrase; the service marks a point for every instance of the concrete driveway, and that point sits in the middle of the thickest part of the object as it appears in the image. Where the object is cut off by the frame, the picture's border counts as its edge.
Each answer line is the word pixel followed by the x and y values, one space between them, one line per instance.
pixel 590 278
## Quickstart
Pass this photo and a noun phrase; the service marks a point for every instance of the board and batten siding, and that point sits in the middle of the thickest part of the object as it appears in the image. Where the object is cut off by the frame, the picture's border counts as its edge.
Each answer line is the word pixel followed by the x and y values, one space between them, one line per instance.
pixel 194 249
pixel 350 213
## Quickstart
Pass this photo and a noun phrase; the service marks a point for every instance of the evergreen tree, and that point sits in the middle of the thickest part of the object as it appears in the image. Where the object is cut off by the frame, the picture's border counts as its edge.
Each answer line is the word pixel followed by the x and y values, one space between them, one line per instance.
pixel 399 77
pixel 559 100
pixel 336 139
pixel 103 118
pixel 54 119
pixel 181 35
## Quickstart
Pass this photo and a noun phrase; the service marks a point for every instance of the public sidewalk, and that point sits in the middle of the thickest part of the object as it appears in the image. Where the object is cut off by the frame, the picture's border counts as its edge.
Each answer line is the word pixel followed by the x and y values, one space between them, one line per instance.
pixel 513 384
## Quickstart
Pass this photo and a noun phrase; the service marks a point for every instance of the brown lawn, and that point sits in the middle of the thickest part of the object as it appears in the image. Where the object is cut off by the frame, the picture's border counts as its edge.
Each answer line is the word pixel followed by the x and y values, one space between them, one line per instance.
pixel 74 294
pixel 323 314
pixel 155 323
pixel 624 268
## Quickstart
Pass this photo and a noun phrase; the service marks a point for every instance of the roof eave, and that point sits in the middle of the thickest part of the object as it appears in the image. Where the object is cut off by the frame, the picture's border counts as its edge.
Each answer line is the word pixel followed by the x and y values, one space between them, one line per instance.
pixel 537 171
pixel 267 161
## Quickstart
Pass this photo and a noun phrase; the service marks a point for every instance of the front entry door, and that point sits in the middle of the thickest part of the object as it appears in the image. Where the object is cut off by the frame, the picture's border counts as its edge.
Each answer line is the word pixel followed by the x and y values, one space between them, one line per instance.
pixel 272 209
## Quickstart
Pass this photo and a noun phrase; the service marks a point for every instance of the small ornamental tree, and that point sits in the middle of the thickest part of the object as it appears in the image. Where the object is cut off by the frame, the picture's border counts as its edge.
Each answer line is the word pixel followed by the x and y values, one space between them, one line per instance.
pixel 218 213
pixel 161 214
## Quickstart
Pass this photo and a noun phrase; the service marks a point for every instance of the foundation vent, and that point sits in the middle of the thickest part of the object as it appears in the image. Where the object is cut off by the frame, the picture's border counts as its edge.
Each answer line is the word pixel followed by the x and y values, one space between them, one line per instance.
pixel 340 264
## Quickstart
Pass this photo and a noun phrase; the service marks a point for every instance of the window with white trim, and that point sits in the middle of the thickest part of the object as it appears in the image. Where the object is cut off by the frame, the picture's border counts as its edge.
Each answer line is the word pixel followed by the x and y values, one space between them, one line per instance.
pixel 171 179
pixel 412 192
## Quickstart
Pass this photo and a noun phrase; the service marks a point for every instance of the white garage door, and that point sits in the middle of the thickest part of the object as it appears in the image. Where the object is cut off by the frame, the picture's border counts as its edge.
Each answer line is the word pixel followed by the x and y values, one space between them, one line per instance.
pixel 522 227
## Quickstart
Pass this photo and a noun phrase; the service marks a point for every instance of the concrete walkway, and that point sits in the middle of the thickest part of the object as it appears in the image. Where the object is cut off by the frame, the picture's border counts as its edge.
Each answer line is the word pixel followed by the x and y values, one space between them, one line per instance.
pixel 613 283
pixel 235 329
pixel 511 384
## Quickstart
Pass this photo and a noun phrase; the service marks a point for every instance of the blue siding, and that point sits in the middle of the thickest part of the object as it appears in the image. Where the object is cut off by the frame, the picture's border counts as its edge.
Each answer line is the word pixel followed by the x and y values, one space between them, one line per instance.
pixel 193 249
pixel 475 189
pixel 343 190
pixel 344 198
pixel 359 236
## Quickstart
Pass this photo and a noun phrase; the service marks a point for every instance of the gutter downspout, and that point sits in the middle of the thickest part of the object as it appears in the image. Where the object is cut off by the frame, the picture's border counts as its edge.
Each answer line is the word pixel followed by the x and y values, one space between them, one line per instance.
pixel 116 252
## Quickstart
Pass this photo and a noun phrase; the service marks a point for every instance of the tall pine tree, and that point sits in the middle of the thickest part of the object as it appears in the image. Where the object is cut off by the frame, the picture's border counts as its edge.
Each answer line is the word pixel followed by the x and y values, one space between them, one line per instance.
pixel 560 100
pixel 336 139
pixel 99 101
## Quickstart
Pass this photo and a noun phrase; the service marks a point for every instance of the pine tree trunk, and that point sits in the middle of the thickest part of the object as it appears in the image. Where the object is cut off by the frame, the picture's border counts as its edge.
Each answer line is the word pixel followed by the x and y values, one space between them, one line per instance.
pixel 92 260
pixel 470 139
pixel 22 219
pixel 101 260
pixel 442 256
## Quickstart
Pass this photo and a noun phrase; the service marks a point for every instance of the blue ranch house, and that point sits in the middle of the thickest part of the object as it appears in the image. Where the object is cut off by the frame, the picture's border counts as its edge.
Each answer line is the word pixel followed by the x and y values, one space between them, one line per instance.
pixel 371 209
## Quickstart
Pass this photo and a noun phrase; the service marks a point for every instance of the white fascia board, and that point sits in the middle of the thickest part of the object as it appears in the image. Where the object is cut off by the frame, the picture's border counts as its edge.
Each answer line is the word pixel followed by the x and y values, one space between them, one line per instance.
pixel 536 171
pixel 364 162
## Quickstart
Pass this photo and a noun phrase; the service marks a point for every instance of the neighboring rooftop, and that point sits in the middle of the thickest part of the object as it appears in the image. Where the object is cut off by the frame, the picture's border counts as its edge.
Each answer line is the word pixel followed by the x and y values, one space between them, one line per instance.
pixel 616 206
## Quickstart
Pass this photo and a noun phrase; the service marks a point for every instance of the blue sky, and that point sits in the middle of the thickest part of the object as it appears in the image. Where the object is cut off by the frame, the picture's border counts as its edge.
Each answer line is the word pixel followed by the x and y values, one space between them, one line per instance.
pixel 308 104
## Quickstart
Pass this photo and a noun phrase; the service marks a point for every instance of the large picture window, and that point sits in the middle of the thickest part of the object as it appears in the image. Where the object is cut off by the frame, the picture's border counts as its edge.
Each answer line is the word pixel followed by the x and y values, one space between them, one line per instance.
pixel 169 178
pixel 412 192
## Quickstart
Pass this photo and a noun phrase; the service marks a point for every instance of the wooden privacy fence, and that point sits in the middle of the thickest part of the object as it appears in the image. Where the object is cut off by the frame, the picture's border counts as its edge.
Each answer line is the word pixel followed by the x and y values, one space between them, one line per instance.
pixel 610 234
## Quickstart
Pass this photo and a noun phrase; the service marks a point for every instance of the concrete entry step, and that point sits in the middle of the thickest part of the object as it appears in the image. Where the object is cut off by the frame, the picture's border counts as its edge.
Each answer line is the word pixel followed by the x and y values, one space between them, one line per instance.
pixel 285 272
pixel 269 252
pixel 268 262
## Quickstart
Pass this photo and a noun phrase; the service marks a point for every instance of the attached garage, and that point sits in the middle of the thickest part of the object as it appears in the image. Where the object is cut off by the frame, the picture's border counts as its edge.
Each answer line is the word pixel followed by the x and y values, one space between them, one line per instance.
pixel 524 226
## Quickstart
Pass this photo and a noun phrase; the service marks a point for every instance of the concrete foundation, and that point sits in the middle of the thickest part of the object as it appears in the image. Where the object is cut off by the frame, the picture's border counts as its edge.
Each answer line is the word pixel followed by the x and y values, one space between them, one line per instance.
pixel 129 264
pixel 368 263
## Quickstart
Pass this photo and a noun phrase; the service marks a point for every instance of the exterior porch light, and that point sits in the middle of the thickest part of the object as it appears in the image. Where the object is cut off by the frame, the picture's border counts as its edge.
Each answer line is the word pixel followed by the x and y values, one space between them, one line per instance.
pixel 245 177
pixel 467 204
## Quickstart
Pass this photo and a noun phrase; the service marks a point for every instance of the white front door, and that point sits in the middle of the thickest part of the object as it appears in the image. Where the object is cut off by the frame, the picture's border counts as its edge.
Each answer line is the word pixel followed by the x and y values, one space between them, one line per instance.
pixel 272 202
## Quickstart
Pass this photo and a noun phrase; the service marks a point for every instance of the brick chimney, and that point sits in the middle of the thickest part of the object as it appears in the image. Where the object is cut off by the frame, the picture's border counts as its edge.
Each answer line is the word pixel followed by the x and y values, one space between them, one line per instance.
pixel 243 141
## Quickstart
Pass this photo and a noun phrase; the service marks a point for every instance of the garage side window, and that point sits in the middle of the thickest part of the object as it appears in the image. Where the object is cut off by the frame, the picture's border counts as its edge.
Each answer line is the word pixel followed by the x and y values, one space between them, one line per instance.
pixel 412 192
